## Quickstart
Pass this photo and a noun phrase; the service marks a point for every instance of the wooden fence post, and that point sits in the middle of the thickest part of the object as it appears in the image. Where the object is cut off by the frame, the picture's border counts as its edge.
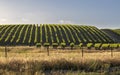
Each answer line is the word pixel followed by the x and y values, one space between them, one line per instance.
pixel 111 52
pixel 82 52
pixel 48 50
pixel 5 51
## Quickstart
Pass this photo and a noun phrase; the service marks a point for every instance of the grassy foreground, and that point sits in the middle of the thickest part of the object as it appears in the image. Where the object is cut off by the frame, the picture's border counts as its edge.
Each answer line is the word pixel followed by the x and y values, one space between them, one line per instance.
pixel 33 61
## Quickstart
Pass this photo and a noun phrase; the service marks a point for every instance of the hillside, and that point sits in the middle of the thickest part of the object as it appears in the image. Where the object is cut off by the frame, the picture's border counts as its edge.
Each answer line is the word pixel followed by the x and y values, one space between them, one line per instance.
pixel 114 34
pixel 117 31
pixel 30 34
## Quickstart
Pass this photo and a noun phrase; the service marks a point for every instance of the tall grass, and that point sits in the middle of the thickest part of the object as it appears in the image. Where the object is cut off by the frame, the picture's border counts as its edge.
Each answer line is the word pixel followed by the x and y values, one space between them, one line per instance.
pixel 37 61
pixel 87 65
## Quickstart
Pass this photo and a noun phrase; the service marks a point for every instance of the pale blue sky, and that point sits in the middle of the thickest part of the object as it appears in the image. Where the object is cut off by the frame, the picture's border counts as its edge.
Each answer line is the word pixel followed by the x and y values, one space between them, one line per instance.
pixel 99 13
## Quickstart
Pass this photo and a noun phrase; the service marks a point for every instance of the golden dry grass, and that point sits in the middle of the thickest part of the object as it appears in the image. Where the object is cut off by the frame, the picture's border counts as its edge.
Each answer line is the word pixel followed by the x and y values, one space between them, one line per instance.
pixel 24 58
pixel 33 53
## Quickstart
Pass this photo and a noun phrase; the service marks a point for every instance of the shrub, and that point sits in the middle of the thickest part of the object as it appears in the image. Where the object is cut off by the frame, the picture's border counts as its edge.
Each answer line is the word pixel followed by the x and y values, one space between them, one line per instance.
pixel 89 45
pixel 97 46
pixel 105 46
pixel 46 44
pixel 112 46
pixel 55 45
pixel 38 45
pixel 117 46
pixel 81 45
pixel 63 45
pixel 72 45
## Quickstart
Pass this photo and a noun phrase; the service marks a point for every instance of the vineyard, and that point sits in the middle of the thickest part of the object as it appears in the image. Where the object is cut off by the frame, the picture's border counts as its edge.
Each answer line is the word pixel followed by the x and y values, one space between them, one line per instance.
pixel 76 47
pixel 114 34
pixel 117 31
pixel 31 34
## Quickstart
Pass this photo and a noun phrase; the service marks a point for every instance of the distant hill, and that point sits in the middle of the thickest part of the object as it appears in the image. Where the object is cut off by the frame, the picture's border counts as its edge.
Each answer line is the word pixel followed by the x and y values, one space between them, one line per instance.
pixel 117 31
pixel 113 33
pixel 30 34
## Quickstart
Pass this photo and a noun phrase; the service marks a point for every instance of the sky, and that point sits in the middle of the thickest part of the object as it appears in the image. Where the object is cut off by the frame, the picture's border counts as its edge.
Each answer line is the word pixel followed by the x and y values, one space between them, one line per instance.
pixel 99 13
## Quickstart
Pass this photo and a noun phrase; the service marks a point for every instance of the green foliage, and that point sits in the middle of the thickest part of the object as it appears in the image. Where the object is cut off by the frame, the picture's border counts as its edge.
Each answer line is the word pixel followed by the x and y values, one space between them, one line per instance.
pixel 105 46
pixel 38 44
pixel 46 44
pixel 81 45
pixel 25 37
pixel 89 45
pixel 97 46
pixel 41 33
pixel 55 45
pixel 36 33
pixel 72 44
pixel 117 31
pixel 112 46
pixel 30 34
pixel 63 45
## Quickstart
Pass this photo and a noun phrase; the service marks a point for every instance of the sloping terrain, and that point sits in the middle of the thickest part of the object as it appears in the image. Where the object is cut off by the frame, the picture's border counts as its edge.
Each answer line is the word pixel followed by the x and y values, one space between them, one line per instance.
pixel 30 34
pixel 117 31
pixel 114 34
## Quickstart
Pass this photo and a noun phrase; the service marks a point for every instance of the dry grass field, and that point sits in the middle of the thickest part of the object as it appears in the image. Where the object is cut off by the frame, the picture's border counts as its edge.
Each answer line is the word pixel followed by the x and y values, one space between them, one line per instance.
pixel 25 52
pixel 22 58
